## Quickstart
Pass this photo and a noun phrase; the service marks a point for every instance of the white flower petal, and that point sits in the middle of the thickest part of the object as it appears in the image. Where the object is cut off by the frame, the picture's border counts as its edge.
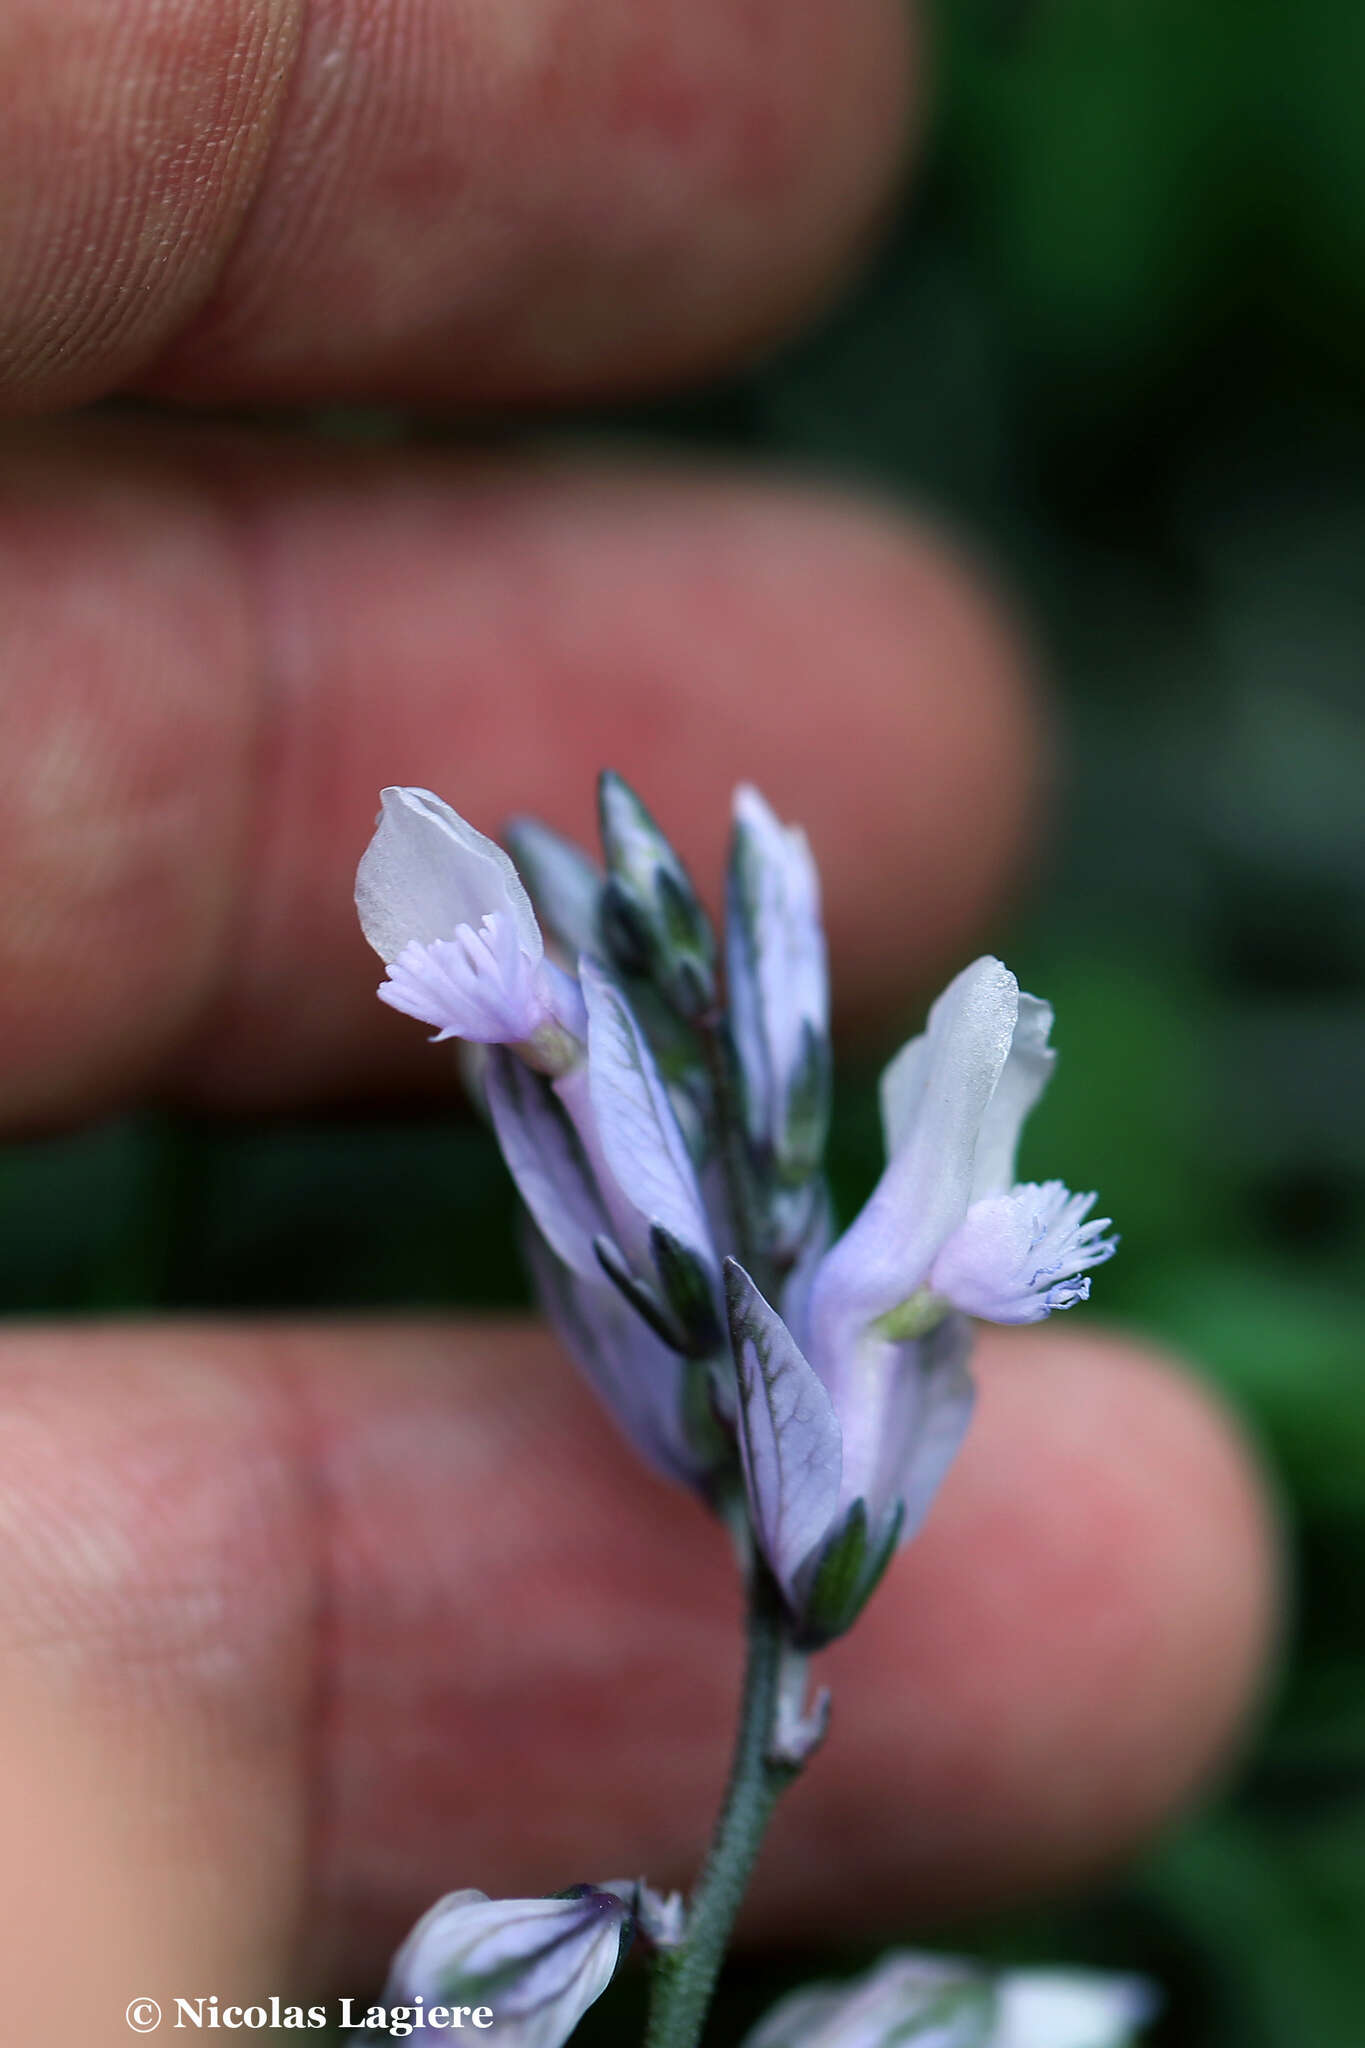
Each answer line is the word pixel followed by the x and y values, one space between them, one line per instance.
pixel 899 1091
pixel 1070 2009
pixel 886 1253
pixel 426 871
pixel 1026 1073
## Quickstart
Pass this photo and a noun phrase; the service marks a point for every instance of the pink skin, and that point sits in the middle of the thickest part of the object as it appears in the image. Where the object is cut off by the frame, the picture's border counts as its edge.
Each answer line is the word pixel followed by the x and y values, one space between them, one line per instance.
pixel 429 198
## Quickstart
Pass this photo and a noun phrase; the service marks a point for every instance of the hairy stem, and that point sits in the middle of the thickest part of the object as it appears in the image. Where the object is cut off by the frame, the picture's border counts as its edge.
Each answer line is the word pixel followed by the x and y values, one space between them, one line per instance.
pixel 685 1977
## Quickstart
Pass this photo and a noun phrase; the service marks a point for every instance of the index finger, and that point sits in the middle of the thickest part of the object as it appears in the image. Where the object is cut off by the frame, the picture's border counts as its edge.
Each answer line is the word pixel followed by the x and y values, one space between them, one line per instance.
pixel 262 199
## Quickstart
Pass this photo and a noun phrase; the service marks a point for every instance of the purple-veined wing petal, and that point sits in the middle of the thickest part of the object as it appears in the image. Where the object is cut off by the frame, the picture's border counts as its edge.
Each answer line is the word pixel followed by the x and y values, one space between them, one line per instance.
pixel 641 1142
pixel 636 1377
pixel 788 1434
pixel 546 1161
pixel 427 871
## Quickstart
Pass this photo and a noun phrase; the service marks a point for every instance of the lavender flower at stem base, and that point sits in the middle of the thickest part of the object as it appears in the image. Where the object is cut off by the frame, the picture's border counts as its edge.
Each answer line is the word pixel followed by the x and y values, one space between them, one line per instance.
pixel 535 1964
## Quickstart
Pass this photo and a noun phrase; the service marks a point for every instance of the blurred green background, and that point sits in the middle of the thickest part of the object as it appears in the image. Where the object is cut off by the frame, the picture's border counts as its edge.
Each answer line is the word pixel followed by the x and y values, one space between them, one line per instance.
pixel 1116 338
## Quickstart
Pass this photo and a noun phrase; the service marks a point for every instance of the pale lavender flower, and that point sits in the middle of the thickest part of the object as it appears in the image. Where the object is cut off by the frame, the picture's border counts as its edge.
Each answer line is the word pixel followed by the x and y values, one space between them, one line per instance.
pixel 537 1963
pixel 850 1393
pixel 916 2001
pixel 849 1425
pixel 445 909
pixel 953 1104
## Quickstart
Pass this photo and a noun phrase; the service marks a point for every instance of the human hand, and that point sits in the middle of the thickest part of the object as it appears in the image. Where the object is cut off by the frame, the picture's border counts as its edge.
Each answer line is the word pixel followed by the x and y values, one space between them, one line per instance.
pixel 306 1623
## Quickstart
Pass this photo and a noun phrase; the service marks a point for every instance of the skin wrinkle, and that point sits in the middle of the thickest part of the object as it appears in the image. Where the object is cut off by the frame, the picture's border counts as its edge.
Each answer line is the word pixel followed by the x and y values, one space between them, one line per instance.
pixel 306 1437
pixel 696 176
pixel 153 123
pixel 126 592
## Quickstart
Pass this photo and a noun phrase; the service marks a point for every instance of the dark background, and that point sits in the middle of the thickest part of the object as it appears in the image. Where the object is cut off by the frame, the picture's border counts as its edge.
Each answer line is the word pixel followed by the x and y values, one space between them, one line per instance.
pixel 1117 340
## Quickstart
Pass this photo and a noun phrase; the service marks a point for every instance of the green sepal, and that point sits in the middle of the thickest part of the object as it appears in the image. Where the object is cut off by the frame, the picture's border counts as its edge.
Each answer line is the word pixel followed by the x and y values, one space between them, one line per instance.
pixel 652 921
pixel 687 1289
pixel 847 1575
pixel 625 930
pixel 640 1295
pixel 801 1146
pixel 703 1413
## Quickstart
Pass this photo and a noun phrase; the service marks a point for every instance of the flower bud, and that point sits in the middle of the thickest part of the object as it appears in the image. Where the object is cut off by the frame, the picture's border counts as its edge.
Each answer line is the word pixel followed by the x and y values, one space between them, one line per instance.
pixel 651 919
pixel 778 987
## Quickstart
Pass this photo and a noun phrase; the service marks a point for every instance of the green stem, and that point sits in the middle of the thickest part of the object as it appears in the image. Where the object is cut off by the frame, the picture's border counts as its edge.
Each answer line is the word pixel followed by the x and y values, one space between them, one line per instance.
pixel 685 1977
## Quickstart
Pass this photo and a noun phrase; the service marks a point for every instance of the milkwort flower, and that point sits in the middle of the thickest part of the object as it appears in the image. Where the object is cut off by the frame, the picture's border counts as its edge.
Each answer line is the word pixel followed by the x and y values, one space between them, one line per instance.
pixel 446 911
pixel 850 1420
pixel 658 1143
pixel 917 2001
pixel 584 1120
pixel 535 1964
